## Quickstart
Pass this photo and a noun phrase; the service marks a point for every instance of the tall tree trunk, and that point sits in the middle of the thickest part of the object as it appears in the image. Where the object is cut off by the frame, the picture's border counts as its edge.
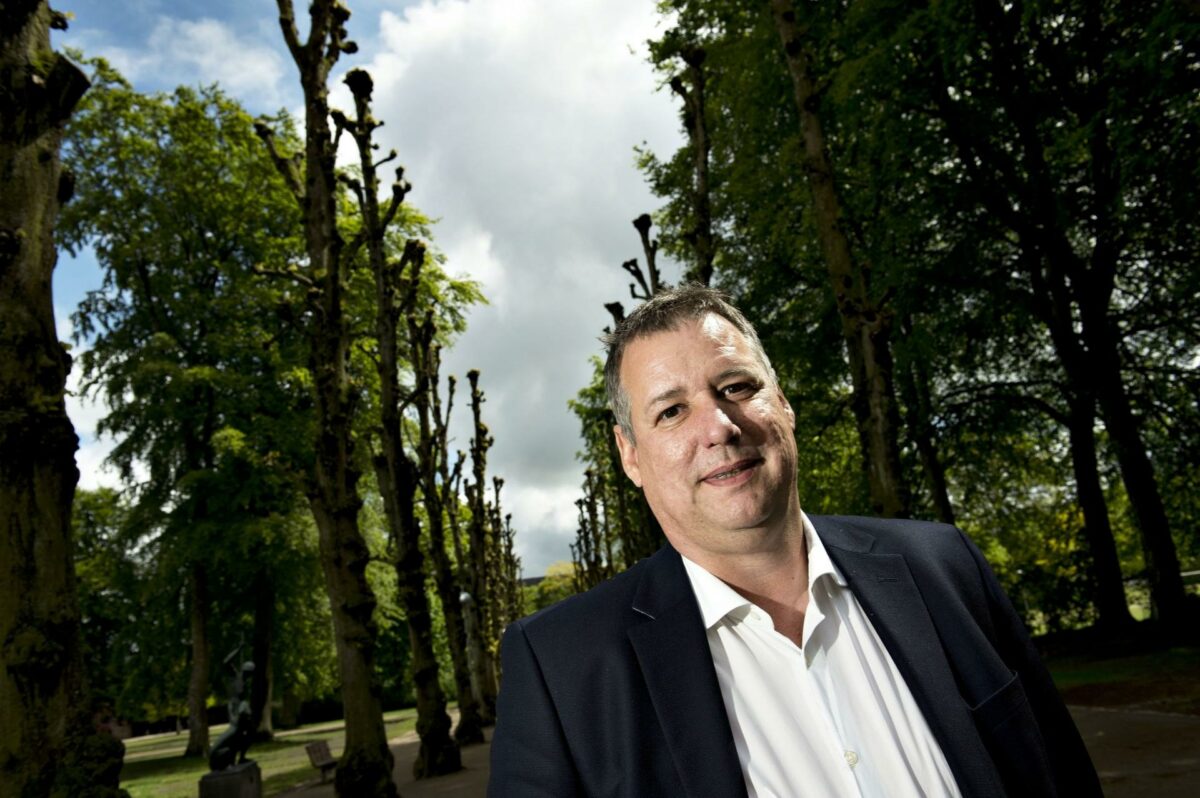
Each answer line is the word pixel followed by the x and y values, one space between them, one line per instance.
pixel 1091 357
pixel 913 383
pixel 1137 472
pixel 700 236
pixel 398 479
pixel 366 764
pixel 866 328
pixel 395 471
pixel 264 638
pixel 198 684
pixel 438 753
pixel 47 742
pixel 365 768
pixel 433 460
pixel 481 592
pixel 1110 601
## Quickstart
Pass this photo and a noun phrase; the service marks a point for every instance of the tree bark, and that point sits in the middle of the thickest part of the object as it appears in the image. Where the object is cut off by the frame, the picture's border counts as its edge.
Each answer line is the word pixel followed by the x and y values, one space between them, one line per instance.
pixel 700 236
pixel 47 741
pixel 1111 606
pixel 866 328
pixel 432 457
pixel 913 383
pixel 264 638
pixel 365 768
pixel 482 594
pixel 197 695
pixel 397 475
pixel 1077 288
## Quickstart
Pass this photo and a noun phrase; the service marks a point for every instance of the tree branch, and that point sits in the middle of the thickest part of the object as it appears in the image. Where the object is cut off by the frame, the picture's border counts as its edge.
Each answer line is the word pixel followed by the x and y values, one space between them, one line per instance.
pixel 288 168
pixel 287 23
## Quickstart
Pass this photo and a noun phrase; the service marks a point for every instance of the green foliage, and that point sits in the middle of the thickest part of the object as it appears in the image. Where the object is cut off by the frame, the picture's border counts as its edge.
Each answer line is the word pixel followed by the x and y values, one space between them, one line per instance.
pixel 202 374
pixel 616 528
pixel 134 620
pixel 556 585
pixel 930 114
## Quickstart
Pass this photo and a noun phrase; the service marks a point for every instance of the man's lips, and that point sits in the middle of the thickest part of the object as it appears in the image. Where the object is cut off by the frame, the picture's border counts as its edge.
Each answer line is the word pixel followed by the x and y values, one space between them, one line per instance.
pixel 730 470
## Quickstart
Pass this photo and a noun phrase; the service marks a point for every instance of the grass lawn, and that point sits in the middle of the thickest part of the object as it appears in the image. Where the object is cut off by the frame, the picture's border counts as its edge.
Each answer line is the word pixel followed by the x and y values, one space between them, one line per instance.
pixel 155 768
pixel 1167 680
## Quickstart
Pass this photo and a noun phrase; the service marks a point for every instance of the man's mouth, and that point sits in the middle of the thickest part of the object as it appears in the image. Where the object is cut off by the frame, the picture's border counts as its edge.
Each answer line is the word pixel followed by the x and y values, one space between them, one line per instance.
pixel 727 472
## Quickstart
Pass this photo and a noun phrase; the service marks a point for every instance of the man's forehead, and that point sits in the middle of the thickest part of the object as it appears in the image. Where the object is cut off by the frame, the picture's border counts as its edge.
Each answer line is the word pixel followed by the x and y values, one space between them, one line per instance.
pixel 657 355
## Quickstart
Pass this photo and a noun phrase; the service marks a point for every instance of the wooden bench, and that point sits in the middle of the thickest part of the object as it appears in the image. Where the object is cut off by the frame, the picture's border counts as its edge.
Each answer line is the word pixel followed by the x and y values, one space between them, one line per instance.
pixel 319 756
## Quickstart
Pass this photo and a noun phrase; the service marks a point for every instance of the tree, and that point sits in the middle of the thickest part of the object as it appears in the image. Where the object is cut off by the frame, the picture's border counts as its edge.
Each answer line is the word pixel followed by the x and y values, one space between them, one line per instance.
pixel 1065 192
pixel 332 482
pixel 971 147
pixel 480 541
pixel 397 475
pixel 47 742
pixel 189 368
pixel 439 491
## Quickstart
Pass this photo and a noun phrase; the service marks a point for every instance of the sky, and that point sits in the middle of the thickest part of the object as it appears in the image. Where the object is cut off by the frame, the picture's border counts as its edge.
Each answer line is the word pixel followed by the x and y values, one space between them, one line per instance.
pixel 516 121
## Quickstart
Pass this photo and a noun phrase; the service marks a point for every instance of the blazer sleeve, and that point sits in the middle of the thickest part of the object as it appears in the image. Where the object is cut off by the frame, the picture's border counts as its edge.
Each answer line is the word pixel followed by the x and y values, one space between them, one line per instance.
pixel 529 750
pixel 1066 755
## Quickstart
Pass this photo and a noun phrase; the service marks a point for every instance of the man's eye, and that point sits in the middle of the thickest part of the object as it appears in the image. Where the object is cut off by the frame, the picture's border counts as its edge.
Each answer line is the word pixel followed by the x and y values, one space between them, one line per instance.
pixel 737 389
pixel 669 413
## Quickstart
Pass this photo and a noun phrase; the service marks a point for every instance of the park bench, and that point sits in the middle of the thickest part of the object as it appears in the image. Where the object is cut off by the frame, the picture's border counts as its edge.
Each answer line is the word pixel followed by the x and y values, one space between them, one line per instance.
pixel 319 756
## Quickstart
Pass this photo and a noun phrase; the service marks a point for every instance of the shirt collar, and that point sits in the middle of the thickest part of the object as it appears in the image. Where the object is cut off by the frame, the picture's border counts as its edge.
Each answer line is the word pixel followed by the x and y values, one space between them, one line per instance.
pixel 717 599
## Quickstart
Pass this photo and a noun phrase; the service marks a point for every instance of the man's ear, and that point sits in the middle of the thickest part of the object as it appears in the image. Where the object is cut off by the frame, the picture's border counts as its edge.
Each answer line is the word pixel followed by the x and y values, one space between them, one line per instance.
pixel 629 455
pixel 787 408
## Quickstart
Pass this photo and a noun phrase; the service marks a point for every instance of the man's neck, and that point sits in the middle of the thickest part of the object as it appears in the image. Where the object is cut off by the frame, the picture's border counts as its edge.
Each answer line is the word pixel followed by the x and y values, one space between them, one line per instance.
pixel 774 578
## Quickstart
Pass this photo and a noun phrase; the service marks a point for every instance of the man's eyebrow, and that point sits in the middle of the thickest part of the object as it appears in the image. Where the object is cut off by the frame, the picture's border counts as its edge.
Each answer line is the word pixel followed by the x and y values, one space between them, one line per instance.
pixel 670 393
pixel 676 392
pixel 737 371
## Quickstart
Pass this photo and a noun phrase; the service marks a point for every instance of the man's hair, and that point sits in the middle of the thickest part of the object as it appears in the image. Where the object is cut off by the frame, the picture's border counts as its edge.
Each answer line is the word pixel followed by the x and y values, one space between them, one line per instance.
pixel 667 310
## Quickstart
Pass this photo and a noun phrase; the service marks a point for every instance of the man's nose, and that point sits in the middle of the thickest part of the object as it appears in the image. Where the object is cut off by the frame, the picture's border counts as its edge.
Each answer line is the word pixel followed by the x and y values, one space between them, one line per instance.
pixel 720 427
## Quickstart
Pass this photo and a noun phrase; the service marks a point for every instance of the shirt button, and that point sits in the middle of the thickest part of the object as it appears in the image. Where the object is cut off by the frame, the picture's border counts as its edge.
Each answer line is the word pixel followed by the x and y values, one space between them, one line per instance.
pixel 851 758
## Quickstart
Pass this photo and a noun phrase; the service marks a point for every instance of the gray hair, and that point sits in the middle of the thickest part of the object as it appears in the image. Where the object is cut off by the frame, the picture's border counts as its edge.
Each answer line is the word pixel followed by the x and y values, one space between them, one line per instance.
pixel 669 309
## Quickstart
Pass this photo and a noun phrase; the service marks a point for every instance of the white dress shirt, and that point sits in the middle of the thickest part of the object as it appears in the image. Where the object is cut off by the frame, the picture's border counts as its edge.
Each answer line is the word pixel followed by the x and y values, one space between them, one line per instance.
pixel 831 717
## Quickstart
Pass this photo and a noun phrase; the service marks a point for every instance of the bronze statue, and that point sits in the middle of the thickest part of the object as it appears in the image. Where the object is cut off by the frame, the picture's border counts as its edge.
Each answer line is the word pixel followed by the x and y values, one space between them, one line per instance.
pixel 230 748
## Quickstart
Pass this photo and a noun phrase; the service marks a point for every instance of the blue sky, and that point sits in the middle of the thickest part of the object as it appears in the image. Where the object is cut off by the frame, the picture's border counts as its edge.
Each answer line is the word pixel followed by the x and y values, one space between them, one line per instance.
pixel 516 121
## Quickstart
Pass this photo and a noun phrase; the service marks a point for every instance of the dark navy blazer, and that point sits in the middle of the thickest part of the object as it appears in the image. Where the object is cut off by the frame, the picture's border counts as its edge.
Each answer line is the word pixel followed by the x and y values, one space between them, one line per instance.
pixel 613 692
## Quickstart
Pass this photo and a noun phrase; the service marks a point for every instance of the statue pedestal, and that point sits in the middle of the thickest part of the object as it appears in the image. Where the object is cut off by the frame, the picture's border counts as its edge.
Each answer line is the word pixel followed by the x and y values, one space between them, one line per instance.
pixel 239 781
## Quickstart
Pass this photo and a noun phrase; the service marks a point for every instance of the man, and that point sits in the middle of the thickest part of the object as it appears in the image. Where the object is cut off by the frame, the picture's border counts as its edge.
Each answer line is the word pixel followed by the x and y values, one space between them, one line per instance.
pixel 765 652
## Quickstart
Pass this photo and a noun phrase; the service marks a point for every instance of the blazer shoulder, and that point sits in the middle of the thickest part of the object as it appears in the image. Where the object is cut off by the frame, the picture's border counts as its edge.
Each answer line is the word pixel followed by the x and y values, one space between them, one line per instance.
pixel 925 545
pixel 606 605
pixel 906 534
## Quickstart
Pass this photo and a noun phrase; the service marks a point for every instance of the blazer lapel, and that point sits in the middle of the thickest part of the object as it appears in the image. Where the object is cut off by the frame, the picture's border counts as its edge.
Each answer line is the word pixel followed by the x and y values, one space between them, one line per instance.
pixel 887 592
pixel 673 654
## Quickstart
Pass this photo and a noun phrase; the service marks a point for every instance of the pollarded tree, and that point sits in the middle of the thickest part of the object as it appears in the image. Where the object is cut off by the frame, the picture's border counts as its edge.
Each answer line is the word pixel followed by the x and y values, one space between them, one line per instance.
pixel 45 723
pixel 332 481
pixel 398 475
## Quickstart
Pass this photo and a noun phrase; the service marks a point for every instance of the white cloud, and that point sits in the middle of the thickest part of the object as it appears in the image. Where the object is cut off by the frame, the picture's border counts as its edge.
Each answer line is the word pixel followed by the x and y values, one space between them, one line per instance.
pixel 248 65
pixel 85 413
pixel 516 122
pixel 89 459
pixel 471 255
pixel 548 515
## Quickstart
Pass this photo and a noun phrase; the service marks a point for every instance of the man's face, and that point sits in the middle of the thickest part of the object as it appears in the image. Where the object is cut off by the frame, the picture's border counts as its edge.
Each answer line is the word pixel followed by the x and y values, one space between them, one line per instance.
pixel 714 450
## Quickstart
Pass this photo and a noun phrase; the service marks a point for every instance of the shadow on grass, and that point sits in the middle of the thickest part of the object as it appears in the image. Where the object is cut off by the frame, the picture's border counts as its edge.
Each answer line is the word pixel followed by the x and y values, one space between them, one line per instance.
pixel 1146 666
pixel 157 768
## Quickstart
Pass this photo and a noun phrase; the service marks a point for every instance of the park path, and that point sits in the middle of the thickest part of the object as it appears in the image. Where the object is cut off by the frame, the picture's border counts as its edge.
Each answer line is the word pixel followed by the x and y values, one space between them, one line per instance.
pixel 470 781
pixel 1139 754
